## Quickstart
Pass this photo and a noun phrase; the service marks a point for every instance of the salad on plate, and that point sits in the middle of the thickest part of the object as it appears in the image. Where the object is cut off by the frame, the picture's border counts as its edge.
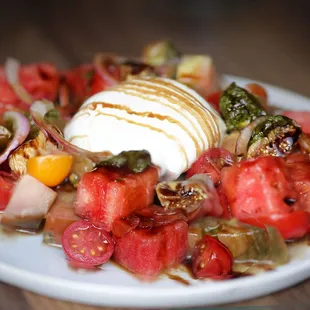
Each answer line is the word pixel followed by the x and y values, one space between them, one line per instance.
pixel 152 164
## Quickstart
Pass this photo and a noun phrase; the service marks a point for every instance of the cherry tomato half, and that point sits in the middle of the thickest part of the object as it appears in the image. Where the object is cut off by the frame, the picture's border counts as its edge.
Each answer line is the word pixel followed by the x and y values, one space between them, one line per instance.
pixel 211 259
pixel 87 244
pixel 211 162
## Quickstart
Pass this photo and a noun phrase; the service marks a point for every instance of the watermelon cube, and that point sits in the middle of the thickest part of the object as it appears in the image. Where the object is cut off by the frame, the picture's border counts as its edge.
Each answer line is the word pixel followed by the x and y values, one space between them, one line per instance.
pixel 148 252
pixel 105 195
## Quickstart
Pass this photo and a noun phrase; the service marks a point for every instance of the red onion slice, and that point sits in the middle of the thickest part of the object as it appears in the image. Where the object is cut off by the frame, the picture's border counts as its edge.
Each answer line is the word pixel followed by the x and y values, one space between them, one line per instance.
pixel 101 63
pixel 21 128
pixel 11 69
pixel 245 136
pixel 63 144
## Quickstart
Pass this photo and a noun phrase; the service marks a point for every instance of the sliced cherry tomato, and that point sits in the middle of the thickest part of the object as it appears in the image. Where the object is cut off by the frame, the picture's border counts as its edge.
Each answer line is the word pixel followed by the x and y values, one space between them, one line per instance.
pixel 211 259
pixel 211 162
pixel 87 244
pixel 51 170
pixel 214 100
pixel 291 225
pixel 257 90
pixel 301 117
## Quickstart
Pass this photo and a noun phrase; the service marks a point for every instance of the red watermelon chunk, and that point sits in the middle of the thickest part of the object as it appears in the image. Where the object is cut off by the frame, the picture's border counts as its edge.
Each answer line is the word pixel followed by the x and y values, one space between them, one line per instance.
pixel 105 195
pixel 148 252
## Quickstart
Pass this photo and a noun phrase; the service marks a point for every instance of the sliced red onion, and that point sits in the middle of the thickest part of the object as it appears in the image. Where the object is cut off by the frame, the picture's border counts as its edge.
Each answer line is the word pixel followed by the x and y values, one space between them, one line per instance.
pixel 101 62
pixel 11 69
pixel 245 136
pixel 42 107
pixel 21 128
pixel 63 144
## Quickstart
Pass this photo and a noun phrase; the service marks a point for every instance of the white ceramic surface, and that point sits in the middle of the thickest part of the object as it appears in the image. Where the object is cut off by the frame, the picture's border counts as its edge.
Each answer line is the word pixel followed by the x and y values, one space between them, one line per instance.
pixel 27 263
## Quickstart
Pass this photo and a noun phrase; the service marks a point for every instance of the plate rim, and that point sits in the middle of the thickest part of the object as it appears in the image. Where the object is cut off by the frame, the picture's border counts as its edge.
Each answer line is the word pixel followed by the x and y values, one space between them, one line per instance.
pixel 94 293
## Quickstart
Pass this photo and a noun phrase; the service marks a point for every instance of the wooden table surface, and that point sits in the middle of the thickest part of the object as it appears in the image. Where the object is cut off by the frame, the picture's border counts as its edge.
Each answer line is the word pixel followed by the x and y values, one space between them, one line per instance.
pixel 257 39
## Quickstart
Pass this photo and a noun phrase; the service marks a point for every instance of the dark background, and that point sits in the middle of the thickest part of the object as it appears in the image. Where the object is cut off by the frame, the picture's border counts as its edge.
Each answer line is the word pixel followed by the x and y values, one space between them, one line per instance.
pixel 265 40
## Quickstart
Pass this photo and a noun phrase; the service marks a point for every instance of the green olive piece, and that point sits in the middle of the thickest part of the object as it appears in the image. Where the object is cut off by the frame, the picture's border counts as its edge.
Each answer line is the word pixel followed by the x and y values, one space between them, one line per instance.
pixel 135 161
pixel 276 136
pixel 239 107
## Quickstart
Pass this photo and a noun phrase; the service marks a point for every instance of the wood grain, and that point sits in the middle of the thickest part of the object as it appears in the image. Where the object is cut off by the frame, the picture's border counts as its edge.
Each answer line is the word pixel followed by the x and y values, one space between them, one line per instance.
pixel 258 39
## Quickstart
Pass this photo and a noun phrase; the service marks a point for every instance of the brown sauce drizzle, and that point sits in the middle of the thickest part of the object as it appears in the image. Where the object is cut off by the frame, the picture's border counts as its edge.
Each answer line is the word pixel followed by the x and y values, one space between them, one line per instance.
pixel 192 105
pixel 171 137
pixel 194 101
pixel 94 105
pixel 77 137
pixel 178 279
pixel 131 90
pixel 175 98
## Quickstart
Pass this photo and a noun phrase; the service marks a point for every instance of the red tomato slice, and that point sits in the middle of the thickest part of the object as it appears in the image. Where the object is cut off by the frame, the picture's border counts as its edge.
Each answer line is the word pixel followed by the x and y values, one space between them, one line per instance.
pixel 261 192
pixel 301 117
pixel 211 259
pixel 299 168
pixel 211 162
pixel 6 188
pixel 214 100
pixel 87 244
pixel 291 225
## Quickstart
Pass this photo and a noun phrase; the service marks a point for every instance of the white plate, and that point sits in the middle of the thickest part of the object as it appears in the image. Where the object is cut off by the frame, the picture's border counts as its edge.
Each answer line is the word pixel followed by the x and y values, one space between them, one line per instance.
pixel 27 263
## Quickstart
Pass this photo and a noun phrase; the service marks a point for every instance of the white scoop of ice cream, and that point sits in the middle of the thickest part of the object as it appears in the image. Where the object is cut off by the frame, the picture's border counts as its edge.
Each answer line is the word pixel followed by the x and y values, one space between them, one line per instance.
pixel 166 118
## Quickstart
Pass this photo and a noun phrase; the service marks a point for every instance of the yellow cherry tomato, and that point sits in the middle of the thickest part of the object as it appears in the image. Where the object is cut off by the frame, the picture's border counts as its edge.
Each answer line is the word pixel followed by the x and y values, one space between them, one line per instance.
pixel 51 170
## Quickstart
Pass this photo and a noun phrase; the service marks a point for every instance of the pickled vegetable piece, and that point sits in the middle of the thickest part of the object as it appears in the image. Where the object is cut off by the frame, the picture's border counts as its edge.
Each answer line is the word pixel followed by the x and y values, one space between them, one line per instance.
pixel 276 136
pixel 248 244
pixel 196 196
pixel 29 204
